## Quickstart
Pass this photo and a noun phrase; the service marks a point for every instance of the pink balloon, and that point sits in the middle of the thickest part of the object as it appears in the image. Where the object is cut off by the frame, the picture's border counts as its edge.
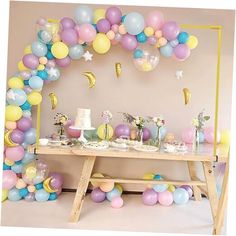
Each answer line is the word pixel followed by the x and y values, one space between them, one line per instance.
pixel 115 28
pixel 63 62
pixel 67 23
pixel 51 63
pixel 87 33
pixel 31 61
pixel 15 153
pixel 72 133
pixel 165 198
pixel 129 42
pixel 113 14
pixel 182 51
pixel 155 19
pixel 209 135
pixel 188 135
pixel 41 21
pixel 117 202
pixel 9 179
pixel 69 37
pixel 170 30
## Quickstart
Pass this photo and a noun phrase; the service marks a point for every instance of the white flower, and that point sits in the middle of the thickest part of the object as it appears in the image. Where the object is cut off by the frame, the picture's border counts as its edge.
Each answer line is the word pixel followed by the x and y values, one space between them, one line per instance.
pixel 195 122
pixel 154 119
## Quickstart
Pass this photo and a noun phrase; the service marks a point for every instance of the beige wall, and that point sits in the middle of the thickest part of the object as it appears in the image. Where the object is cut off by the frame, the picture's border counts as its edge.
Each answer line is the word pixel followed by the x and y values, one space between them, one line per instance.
pixel 157 92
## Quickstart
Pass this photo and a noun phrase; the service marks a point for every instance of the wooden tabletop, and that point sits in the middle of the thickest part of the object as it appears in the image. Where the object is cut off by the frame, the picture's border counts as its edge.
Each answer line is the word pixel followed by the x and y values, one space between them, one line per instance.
pixel 204 153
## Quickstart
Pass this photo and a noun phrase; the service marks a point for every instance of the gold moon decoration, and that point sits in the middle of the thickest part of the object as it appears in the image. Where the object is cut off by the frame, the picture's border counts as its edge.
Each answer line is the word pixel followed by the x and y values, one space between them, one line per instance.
pixel 187 95
pixel 91 78
pixel 54 100
pixel 118 69
pixel 8 140
pixel 47 187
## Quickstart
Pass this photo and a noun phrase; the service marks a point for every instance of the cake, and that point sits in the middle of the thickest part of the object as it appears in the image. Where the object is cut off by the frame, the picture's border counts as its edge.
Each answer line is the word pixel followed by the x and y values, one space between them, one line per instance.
pixel 83 118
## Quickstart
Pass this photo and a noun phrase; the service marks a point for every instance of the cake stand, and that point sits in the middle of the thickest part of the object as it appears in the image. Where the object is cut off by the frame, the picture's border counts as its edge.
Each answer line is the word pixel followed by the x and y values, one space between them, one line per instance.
pixel 82 139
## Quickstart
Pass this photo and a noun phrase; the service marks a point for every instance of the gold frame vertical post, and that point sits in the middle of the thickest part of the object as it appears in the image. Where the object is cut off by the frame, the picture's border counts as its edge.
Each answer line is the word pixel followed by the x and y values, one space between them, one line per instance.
pixel 38 124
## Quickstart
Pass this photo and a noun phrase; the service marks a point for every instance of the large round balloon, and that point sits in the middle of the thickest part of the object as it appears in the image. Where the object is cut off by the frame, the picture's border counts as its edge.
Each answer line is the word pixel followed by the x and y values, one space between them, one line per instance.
pixel 87 33
pixel 13 113
pixel 69 37
pixel 146 58
pixel 181 196
pixel 209 134
pixel 101 43
pixel 39 49
pixel 122 130
pixel 103 133
pixel 84 14
pixel 67 23
pixel 16 97
pixel 113 14
pixel 9 179
pixel 34 98
pixel 35 82
pixel 129 42
pixel 134 23
pixel 31 61
pixel 182 51
pixel 155 19
pixel 188 135
pixel 98 15
pixel 170 30
pixel 76 52
pixel 15 153
pixel 59 50
pixel 150 197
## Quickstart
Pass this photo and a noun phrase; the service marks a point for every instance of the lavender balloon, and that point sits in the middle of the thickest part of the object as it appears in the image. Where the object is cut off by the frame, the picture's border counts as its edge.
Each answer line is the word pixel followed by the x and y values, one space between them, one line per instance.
pixel 103 26
pixel 30 197
pixel 31 61
pixel 17 136
pixel 97 195
pixel 182 51
pixel 67 23
pixel 170 30
pixel 24 124
pixel 188 189
pixel 25 75
pixel 150 197
pixel 129 42
pixel 122 130
pixel 69 37
pixel 56 181
pixel 63 62
pixel 113 14
pixel 152 40
pixel 146 134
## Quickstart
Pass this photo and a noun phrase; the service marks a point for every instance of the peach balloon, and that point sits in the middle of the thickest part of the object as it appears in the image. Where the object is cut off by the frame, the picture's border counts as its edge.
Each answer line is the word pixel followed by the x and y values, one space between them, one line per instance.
pixel 115 28
pixel 10 125
pixel 43 60
pixel 110 34
pixel 31 188
pixel 158 33
pixel 80 41
pixel 107 187
pixel 9 162
pixel 96 175
pixel 20 184
pixel 122 29
pixel 162 41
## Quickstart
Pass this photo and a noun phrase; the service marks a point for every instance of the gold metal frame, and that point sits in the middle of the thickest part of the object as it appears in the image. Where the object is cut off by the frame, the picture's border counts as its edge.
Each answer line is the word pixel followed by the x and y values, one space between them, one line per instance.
pixel 184 26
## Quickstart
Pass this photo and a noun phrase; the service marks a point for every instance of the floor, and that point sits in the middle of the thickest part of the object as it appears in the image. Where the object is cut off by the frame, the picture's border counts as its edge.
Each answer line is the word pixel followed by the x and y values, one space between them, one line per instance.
pixel 194 217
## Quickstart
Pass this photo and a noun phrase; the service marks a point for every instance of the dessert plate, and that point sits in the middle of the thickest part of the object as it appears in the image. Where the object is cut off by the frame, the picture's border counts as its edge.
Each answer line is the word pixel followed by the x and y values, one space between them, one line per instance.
pixel 96 145
pixel 145 148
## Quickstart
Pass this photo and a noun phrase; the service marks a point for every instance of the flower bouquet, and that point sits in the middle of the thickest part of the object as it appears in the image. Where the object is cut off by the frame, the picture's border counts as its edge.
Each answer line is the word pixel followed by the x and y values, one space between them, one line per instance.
pixel 106 119
pixel 60 121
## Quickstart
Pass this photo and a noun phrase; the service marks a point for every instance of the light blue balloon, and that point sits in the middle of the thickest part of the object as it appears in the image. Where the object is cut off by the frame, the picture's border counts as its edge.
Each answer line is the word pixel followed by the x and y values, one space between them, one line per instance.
pixel 16 97
pixel 201 137
pixel 30 136
pixel 134 23
pixel 166 50
pixel 174 43
pixel 28 157
pixel 180 196
pixel 44 36
pixel 14 195
pixel 35 82
pixel 34 72
pixel 53 73
pixel 76 52
pixel 138 53
pixel 39 49
pixel 153 130
pixel 41 195
pixel 159 187
pixel 84 14
pixel 112 194
pixel 17 168
pixel 91 134
pixel 27 113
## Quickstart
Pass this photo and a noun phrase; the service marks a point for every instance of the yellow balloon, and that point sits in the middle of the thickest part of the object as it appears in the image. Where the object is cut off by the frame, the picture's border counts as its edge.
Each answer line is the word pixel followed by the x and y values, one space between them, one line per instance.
pixel 40 67
pixel 21 66
pixel 27 50
pixel 34 98
pixel 15 82
pixel 31 172
pixel 13 113
pixel 98 15
pixel 59 50
pixel 149 176
pixel 119 187
pixel 103 134
pixel 149 31
pixel 192 42
pixel 101 43
pixel 4 194
pixel 225 137
pixel 98 175
pixel 171 188
pixel 146 66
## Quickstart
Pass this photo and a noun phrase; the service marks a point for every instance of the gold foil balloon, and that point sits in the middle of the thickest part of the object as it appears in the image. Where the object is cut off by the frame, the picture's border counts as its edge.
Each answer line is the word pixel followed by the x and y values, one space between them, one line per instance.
pixel 53 99
pixel 7 139
pixel 146 58
pixel 91 78
pixel 118 69
pixel 105 132
pixel 187 95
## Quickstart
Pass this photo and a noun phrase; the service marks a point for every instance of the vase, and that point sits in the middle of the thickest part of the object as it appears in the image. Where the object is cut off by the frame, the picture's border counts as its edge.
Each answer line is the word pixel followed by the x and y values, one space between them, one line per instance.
pixel 158 138
pixel 106 132
pixel 196 140
pixel 140 135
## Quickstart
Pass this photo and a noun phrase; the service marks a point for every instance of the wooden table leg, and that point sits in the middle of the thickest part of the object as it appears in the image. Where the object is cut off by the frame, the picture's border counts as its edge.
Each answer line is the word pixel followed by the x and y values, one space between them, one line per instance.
pixel 82 188
pixel 193 176
pixel 222 203
pixel 211 187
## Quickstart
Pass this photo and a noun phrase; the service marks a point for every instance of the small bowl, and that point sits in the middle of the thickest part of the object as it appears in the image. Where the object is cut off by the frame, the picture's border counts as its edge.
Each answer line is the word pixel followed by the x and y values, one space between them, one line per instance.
pixel 43 141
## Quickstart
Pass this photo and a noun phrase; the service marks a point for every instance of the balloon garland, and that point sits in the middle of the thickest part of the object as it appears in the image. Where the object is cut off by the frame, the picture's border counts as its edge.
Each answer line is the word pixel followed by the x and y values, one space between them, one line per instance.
pixel 57 44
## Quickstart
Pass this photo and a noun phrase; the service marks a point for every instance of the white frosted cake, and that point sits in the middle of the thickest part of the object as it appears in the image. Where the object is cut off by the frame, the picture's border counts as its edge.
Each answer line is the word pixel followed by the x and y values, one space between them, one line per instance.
pixel 83 118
